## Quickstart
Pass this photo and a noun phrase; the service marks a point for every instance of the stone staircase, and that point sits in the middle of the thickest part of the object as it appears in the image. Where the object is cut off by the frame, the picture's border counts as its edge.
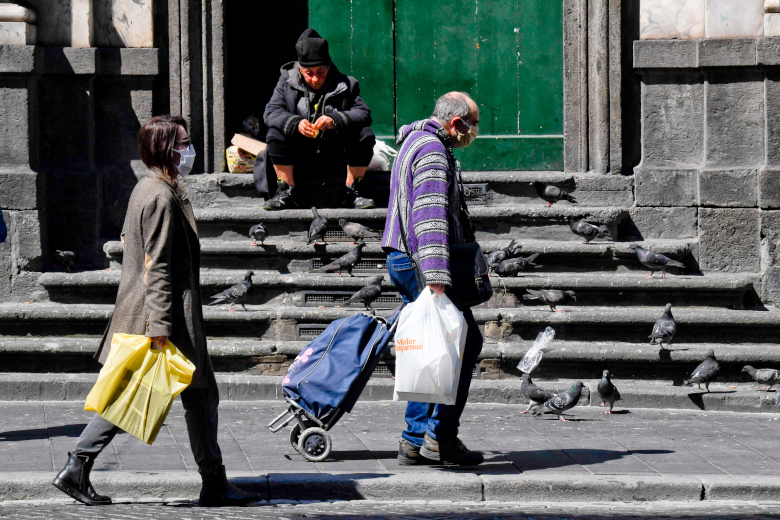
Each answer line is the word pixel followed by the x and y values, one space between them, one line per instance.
pixel 45 346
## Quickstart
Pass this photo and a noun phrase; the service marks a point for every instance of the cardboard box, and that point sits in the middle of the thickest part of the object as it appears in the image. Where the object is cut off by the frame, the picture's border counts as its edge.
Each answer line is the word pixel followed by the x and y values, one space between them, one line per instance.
pixel 239 161
pixel 248 144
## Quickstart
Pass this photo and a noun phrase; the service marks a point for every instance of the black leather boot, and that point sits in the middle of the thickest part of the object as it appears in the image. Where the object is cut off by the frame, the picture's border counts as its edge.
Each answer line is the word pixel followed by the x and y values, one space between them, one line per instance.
pixel 217 491
pixel 74 481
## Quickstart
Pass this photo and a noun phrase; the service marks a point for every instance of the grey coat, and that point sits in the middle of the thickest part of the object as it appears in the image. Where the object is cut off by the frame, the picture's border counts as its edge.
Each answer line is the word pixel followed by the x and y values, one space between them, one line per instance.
pixel 159 290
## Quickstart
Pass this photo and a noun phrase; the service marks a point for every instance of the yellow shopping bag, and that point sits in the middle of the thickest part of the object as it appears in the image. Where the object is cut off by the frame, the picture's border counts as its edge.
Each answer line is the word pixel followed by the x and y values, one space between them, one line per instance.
pixel 136 387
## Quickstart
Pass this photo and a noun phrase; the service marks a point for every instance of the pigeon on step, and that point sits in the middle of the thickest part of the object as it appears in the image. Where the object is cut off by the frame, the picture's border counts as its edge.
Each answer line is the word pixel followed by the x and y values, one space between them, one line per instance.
pixel 706 372
pixel 664 328
pixel 767 376
pixel 607 391
pixel 552 194
pixel 236 294
pixel 369 293
pixel 259 233
pixel 552 297
pixel 357 232
pixel 536 396
pixel 512 266
pixel 561 402
pixel 66 258
pixel 589 231
pixel 499 255
pixel 317 228
pixel 346 262
pixel 655 261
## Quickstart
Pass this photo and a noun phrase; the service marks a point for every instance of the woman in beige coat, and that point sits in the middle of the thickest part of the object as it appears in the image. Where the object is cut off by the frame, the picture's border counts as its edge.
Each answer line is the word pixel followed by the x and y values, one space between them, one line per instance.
pixel 159 297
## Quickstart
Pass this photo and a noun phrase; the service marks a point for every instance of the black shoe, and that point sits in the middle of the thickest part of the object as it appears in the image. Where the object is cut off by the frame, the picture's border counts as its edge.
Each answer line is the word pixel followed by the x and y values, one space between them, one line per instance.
pixel 284 198
pixel 217 491
pixel 450 451
pixel 353 200
pixel 74 481
pixel 409 454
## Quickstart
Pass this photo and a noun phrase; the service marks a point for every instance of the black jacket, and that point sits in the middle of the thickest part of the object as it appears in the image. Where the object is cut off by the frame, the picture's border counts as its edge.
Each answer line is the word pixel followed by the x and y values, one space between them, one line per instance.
pixel 291 101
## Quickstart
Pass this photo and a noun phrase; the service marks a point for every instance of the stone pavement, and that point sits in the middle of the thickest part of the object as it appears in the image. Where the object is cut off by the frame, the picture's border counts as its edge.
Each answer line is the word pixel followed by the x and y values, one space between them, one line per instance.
pixel 631 455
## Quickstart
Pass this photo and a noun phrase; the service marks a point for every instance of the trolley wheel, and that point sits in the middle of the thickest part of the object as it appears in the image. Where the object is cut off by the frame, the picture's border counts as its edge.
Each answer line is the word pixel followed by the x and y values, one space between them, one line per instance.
pixel 314 444
pixel 295 433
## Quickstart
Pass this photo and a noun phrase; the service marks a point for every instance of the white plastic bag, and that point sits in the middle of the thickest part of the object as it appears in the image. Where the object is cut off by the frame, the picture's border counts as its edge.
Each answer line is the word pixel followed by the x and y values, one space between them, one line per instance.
pixel 429 344
pixel 534 355
pixel 383 157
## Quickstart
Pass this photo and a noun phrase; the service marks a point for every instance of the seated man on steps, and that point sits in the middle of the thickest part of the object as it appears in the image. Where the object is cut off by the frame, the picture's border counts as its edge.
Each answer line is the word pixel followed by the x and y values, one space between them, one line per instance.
pixel 318 126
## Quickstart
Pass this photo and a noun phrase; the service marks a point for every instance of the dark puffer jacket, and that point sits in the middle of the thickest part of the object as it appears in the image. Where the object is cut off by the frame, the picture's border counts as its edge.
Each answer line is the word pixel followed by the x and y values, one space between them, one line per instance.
pixel 292 101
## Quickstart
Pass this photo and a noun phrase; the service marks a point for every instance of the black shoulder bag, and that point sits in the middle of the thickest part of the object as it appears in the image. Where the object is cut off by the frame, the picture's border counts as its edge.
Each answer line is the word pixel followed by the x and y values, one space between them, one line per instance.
pixel 468 266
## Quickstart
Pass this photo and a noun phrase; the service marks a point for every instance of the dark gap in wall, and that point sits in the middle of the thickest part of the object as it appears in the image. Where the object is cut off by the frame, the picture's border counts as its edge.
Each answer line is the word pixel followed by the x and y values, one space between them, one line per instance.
pixel 631 89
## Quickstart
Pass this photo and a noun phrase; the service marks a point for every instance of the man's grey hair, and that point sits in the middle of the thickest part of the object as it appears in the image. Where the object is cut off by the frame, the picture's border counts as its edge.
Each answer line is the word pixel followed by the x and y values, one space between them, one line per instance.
pixel 451 105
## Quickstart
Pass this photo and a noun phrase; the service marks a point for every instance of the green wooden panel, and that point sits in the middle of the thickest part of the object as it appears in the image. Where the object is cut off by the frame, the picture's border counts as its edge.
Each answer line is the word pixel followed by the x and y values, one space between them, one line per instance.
pixel 360 36
pixel 518 153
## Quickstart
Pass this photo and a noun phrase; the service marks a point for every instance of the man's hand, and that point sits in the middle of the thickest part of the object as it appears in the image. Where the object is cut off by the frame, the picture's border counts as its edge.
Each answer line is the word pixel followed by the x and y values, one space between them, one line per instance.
pixel 437 288
pixel 307 129
pixel 324 123
pixel 158 342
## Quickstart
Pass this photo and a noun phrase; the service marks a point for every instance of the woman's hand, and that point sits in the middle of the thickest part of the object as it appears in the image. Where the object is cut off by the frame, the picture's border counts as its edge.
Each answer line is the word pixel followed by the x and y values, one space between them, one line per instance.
pixel 159 342
pixel 437 288
pixel 307 129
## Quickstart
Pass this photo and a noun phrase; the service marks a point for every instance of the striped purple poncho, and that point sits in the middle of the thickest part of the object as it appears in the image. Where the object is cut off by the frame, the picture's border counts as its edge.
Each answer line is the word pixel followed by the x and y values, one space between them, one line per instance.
pixel 425 196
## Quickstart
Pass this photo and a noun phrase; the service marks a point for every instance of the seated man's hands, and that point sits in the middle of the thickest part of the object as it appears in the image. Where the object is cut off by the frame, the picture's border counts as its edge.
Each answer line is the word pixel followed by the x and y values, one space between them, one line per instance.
pixel 324 123
pixel 307 129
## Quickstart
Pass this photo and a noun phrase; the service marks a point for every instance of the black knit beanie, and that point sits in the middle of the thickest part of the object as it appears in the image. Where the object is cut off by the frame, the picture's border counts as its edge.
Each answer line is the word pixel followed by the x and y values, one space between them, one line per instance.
pixel 312 49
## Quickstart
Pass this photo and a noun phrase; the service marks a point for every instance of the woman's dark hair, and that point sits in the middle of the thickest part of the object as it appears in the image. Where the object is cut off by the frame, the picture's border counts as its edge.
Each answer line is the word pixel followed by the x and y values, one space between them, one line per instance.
pixel 156 142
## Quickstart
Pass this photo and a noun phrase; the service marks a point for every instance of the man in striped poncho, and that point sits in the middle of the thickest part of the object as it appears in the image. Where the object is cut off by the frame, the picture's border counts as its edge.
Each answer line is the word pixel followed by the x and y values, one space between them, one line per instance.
pixel 426 198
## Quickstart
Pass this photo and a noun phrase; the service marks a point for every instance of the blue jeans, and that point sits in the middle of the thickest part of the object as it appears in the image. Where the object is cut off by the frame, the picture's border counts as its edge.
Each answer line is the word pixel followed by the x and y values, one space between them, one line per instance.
pixel 439 421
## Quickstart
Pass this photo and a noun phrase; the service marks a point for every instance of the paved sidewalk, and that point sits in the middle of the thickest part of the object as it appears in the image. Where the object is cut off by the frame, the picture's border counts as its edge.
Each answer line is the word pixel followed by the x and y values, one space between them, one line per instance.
pixel 631 455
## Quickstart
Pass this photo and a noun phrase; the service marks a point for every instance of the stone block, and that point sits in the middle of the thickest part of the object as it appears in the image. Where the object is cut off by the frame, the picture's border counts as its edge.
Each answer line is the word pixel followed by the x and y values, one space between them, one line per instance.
pixel 668 54
pixel 16 13
pixel 768 51
pixel 6 261
pixel 671 19
pixel 735 119
pixel 129 62
pixel 666 223
pixel 729 240
pixel 665 187
pixel 20 188
pixel 64 23
pixel 728 188
pixel 734 18
pixel 673 126
pixel 772 99
pixel 769 189
pixel 123 23
pixel 20 59
pixel 17 33
pixel 14 126
pixel 772 24
pixel 66 60
pixel 770 238
pixel 770 286
pixel 772 6
pixel 727 53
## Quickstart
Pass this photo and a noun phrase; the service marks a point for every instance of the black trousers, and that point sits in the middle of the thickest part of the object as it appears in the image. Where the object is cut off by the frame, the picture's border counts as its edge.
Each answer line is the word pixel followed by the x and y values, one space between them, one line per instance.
pixel 200 413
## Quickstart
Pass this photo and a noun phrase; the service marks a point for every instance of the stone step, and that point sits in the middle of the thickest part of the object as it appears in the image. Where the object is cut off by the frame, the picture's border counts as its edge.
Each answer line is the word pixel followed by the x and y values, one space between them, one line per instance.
pixel 274 322
pixel 292 253
pixel 232 221
pixel 329 290
pixel 483 187
pixel 635 394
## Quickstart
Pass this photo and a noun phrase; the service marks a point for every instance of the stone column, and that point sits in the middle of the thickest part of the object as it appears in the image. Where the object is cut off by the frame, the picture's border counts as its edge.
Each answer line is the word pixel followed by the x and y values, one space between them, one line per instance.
pixel 598 85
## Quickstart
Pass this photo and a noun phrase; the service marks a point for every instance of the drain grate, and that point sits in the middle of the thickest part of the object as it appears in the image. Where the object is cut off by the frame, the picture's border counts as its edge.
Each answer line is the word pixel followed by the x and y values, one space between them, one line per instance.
pixel 309 331
pixel 338 235
pixel 340 298
pixel 378 264
pixel 475 193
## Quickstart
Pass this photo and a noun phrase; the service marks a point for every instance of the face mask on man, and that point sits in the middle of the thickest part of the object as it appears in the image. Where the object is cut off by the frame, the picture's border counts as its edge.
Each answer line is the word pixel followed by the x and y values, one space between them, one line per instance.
pixel 464 139
pixel 186 160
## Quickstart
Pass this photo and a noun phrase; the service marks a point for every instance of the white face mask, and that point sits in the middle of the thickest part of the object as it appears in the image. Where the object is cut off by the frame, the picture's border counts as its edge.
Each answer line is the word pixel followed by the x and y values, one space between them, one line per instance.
pixel 186 160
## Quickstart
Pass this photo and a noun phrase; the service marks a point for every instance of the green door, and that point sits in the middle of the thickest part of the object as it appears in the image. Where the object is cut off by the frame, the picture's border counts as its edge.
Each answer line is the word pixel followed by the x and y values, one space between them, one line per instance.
pixel 508 54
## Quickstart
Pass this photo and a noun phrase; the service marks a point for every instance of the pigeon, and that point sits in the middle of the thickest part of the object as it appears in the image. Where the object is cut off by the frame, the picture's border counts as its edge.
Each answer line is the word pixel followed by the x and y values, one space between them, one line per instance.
pixel 236 294
pixel 706 372
pixel 512 266
pixel 768 376
pixel 317 227
pixel 655 261
pixel 664 328
pixel 499 255
pixel 561 402
pixel 346 262
pixel 535 395
pixel 259 233
pixel 589 231
pixel 552 297
pixel 357 232
pixel 777 397
pixel 369 293
pixel 552 194
pixel 66 258
pixel 607 391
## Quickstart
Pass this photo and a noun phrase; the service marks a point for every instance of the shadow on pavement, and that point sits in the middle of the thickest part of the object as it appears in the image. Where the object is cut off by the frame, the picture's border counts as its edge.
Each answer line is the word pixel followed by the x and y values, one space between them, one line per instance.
pixel 549 459
pixel 67 430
